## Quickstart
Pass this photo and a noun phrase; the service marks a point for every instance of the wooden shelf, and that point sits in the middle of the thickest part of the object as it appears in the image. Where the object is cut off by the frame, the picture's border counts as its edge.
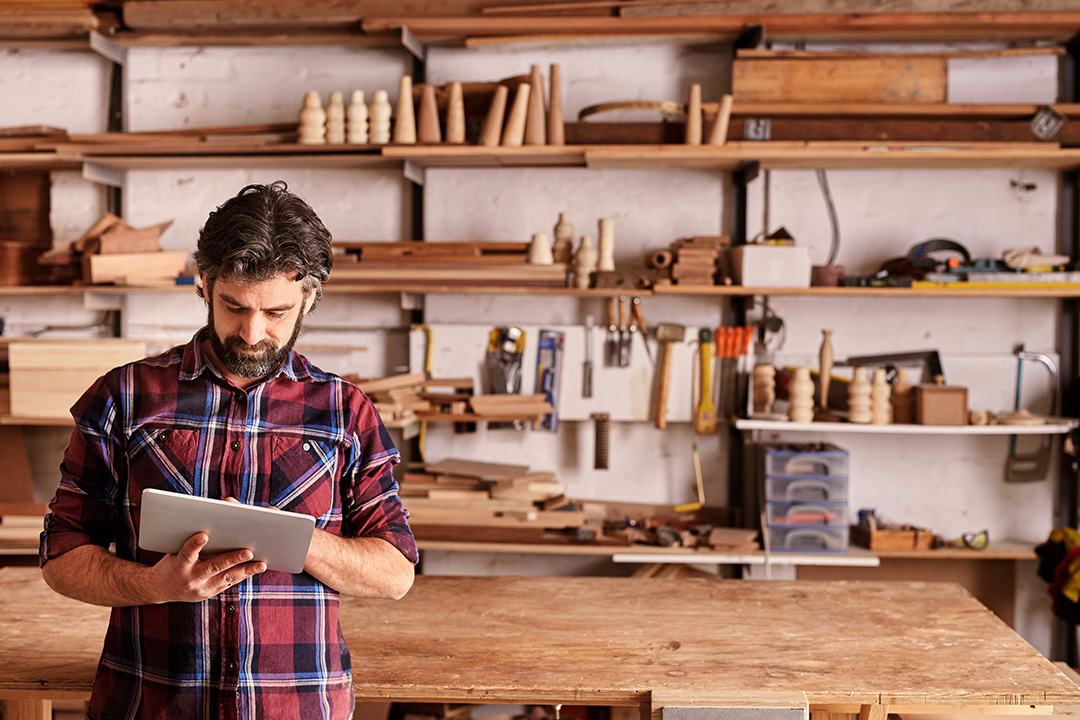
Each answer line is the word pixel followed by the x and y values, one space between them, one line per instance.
pixel 1016 290
pixel 1055 426
pixel 342 288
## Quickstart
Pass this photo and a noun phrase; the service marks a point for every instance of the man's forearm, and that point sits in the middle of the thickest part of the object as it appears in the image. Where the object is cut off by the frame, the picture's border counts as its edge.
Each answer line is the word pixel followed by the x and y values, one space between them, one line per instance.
pixel 364 567
pixel 94 575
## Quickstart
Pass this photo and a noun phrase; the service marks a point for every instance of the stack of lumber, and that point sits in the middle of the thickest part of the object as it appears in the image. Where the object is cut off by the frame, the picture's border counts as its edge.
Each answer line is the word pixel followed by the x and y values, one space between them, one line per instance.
pixel 449 264
pixel 111 251
pixel 486 502
pixel 695 260
pixel 48 376
pixel 509 406
pixel 397 398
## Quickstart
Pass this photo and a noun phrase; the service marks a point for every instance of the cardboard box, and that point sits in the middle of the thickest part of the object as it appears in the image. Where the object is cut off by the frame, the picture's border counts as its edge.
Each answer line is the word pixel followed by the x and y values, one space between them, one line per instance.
pixel 940 405
pixel 771 266
pixel 48 376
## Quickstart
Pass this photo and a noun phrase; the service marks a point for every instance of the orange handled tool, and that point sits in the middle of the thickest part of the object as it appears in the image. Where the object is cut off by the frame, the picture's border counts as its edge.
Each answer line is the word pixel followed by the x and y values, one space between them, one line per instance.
pixel 705 416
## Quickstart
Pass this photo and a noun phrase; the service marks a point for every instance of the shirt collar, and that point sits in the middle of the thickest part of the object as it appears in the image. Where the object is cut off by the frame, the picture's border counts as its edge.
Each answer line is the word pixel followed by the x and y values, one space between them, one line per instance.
pixel 195 362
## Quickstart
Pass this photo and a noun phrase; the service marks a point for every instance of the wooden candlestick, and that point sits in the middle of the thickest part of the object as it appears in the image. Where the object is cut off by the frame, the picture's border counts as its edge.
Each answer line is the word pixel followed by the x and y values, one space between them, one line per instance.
pixel 693 116
pixel 556 131
pixel 455 115
pixel 405 122
pixel 535 122
pixel 427 124
pixel 491 133
pixel 514 133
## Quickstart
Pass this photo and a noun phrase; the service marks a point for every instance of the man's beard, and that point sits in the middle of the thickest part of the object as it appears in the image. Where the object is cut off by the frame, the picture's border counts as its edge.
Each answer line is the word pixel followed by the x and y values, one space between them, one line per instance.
pixel 267 357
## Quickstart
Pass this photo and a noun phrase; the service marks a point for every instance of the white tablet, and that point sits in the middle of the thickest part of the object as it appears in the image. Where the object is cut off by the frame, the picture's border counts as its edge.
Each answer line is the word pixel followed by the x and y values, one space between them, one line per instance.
pixel 279 538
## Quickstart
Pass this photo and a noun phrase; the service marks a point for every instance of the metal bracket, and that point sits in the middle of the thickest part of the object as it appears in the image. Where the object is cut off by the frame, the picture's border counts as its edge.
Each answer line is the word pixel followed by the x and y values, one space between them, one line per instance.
pixel 412 301
pixel 107 49
pixel 104 175
pixel 414 172
pixel 412 43
pixel 1046 123
pixel 757 129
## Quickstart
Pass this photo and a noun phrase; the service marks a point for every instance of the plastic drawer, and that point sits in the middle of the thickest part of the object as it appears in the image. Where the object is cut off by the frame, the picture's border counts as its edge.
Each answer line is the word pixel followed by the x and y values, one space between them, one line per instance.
pixel 806 489
pixel 807 538
pixel 806 513
pixel 793 460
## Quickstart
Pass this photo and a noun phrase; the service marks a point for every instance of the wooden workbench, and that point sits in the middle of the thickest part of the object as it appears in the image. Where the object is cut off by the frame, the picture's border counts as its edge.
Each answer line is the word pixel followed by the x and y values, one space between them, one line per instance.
pixel 867 648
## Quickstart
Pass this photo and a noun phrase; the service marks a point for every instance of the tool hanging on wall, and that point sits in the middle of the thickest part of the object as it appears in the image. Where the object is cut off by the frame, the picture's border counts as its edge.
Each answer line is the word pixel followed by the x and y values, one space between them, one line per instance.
pixel 611 347
pixel 1030 467
pixel 705 414
pixel 549 350
pixel 503 364
pixel 702 358
pixel 602 438
pixel 586 370
pixel 637 318
pixel 666 334
pixel 624 333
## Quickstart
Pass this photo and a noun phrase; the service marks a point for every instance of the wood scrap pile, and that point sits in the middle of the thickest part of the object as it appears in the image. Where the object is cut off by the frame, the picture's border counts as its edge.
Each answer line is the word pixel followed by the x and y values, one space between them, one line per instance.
pixel 111 251
pixel 486 502
pixel 448 264
pixel 707 528
pixel 406 398
pixel 397 398
pixel 697 260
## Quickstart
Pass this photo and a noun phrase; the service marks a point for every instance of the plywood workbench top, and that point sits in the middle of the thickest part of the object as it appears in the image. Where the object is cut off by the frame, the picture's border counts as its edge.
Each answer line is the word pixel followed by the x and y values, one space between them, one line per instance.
pixel 914 647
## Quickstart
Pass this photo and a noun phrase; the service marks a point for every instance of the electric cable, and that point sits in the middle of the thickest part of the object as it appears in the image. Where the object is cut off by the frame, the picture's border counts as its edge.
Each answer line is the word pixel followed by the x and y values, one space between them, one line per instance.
pixel 823 181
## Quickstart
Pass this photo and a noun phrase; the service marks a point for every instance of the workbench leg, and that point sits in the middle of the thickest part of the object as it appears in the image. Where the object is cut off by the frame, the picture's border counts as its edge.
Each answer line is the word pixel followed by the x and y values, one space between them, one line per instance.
pixel 874 712
pixel 830 716
pixel 29 710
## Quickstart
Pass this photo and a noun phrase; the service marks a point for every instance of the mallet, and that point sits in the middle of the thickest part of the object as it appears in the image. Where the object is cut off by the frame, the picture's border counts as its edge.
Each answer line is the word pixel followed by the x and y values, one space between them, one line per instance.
pixel 666 334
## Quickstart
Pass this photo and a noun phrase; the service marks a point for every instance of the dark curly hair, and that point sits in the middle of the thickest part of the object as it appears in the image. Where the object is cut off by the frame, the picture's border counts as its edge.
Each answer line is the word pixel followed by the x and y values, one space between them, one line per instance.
pixel 262 232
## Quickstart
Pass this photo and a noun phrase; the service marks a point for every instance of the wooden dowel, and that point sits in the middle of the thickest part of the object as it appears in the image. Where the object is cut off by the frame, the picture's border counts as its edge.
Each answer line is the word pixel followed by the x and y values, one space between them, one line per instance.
pixel 491 133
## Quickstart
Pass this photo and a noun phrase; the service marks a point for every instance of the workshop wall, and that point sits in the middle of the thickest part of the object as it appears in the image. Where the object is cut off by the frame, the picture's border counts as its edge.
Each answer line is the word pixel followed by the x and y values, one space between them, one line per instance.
pixel 949 484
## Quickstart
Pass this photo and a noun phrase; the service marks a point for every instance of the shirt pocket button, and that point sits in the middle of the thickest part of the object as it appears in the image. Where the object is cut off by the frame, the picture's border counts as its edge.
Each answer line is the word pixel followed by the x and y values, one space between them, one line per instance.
pixel 235 445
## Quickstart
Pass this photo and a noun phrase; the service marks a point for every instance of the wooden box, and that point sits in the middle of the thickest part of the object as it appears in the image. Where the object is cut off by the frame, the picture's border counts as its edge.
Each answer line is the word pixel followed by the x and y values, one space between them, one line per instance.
pixel 891 539
pixel 48 376
pixel 940 405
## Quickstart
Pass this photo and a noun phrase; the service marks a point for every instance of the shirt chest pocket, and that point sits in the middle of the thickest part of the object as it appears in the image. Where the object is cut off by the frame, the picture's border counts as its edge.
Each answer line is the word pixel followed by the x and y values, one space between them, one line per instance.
pixel 302 478
pixel 165 458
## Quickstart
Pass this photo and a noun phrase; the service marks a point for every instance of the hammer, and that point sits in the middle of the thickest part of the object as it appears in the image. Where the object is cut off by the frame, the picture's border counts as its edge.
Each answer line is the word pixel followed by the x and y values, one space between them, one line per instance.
pixel 666 334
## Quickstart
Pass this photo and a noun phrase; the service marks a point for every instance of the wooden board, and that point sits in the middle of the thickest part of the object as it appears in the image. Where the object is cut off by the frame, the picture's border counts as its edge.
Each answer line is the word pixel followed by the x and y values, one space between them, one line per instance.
pixel 126 267
pixel 888 78
pixel 477 469
pixel 48 376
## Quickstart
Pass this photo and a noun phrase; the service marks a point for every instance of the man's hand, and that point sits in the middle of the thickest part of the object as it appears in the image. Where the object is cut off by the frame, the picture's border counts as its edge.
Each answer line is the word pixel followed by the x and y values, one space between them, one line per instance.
pixel 185 577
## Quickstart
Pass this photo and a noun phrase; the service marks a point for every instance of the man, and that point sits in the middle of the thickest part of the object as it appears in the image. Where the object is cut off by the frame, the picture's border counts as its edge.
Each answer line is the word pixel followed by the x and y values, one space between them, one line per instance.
pixel 234 413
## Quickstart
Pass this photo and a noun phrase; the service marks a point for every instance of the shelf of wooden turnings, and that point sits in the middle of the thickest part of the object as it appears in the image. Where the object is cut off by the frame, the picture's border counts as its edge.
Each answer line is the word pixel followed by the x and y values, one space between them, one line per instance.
pixel 776 155
pixel 1053 426
pixel 955 290
pixel 1017 291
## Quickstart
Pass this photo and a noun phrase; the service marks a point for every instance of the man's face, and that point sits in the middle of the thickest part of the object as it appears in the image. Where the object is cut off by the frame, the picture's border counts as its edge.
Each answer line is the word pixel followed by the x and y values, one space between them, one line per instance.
pixel 253 325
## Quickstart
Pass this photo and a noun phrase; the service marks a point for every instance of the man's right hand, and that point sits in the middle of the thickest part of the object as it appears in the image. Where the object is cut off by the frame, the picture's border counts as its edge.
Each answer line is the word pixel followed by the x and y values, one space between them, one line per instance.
pixel 185 577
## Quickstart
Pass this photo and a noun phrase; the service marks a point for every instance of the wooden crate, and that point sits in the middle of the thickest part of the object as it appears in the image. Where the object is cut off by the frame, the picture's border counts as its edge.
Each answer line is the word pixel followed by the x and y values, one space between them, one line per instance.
pixel 891 539
pixel 48 376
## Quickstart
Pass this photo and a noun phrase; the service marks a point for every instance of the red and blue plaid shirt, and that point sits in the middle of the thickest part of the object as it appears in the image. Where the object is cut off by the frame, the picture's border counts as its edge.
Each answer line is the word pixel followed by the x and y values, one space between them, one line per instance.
pixel 302 440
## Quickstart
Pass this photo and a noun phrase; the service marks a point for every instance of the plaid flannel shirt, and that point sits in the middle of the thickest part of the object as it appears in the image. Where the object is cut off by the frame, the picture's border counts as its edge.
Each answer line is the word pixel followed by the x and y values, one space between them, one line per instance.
pixel 302 440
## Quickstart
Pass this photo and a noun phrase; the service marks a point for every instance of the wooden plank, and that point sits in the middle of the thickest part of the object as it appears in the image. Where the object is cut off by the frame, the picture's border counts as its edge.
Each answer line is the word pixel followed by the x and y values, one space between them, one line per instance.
pixel 866 79
pixel 685 8
pixel 409 380
pixel 1059 25
pixel 99 269
pixel 476 468
pixel 118 240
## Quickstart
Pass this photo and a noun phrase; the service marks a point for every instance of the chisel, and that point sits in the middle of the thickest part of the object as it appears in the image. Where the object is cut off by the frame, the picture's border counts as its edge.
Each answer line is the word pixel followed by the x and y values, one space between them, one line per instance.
pixel 586 370
pixel 611 347
pixel 705 417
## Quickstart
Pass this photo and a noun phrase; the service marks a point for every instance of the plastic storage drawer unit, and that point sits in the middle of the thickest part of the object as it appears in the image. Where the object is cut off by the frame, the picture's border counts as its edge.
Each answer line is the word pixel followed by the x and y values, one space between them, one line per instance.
pixel 806 492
